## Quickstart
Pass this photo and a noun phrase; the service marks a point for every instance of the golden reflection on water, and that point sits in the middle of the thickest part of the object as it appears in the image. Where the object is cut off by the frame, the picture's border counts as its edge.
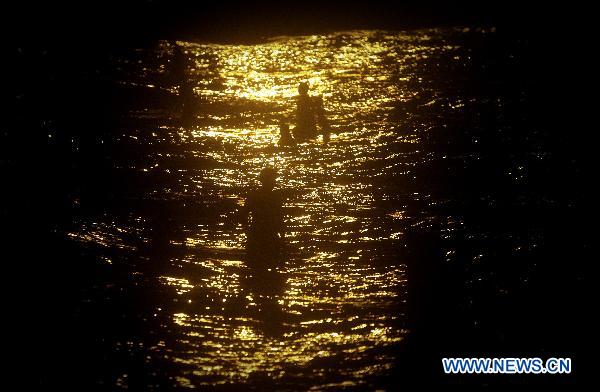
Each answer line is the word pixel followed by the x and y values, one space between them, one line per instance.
pixel 342 286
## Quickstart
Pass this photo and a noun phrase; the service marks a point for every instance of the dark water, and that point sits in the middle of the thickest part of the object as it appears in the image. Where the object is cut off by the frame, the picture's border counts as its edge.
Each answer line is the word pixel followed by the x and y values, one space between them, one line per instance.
pixel 433 156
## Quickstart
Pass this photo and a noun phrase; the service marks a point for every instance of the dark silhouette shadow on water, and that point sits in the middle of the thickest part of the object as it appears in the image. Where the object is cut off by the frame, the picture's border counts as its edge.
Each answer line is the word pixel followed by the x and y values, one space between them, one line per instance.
pixel 265 229
pixel 266 288
pixel 265 251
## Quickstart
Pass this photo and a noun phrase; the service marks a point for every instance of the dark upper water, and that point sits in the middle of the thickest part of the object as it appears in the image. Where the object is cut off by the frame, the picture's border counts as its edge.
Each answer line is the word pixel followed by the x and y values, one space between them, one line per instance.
pixel 418 120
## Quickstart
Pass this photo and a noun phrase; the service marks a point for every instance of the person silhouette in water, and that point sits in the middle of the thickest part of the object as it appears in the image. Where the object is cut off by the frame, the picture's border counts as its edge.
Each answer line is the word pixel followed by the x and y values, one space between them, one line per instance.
pixel 265 230
pixel 178 65
pixel 306 124
pixel 310 112
pixel 285 137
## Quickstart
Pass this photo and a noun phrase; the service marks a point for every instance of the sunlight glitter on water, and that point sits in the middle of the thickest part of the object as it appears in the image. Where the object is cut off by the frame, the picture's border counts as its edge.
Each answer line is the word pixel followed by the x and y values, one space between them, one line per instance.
pixel 341 288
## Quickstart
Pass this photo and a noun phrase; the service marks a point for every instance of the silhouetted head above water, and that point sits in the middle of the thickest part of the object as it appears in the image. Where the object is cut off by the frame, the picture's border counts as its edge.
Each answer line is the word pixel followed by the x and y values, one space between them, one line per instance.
pixel 303 88
pixel 267 177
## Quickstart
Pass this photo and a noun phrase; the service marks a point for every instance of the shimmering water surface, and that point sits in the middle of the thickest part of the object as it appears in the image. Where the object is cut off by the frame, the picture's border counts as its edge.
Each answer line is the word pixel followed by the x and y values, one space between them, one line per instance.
pixel 336 310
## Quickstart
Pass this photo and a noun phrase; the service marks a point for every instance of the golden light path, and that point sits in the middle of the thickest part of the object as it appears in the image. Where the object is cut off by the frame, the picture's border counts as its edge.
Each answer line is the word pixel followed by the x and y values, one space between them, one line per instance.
pixel 343 288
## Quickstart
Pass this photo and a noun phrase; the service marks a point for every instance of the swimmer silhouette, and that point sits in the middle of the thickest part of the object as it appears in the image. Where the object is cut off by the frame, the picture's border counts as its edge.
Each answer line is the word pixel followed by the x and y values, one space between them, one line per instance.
pixel 265 230
pixel 306 124
pixel 310 111
pixel 267 289
pixel 178 66
pixel 285 137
